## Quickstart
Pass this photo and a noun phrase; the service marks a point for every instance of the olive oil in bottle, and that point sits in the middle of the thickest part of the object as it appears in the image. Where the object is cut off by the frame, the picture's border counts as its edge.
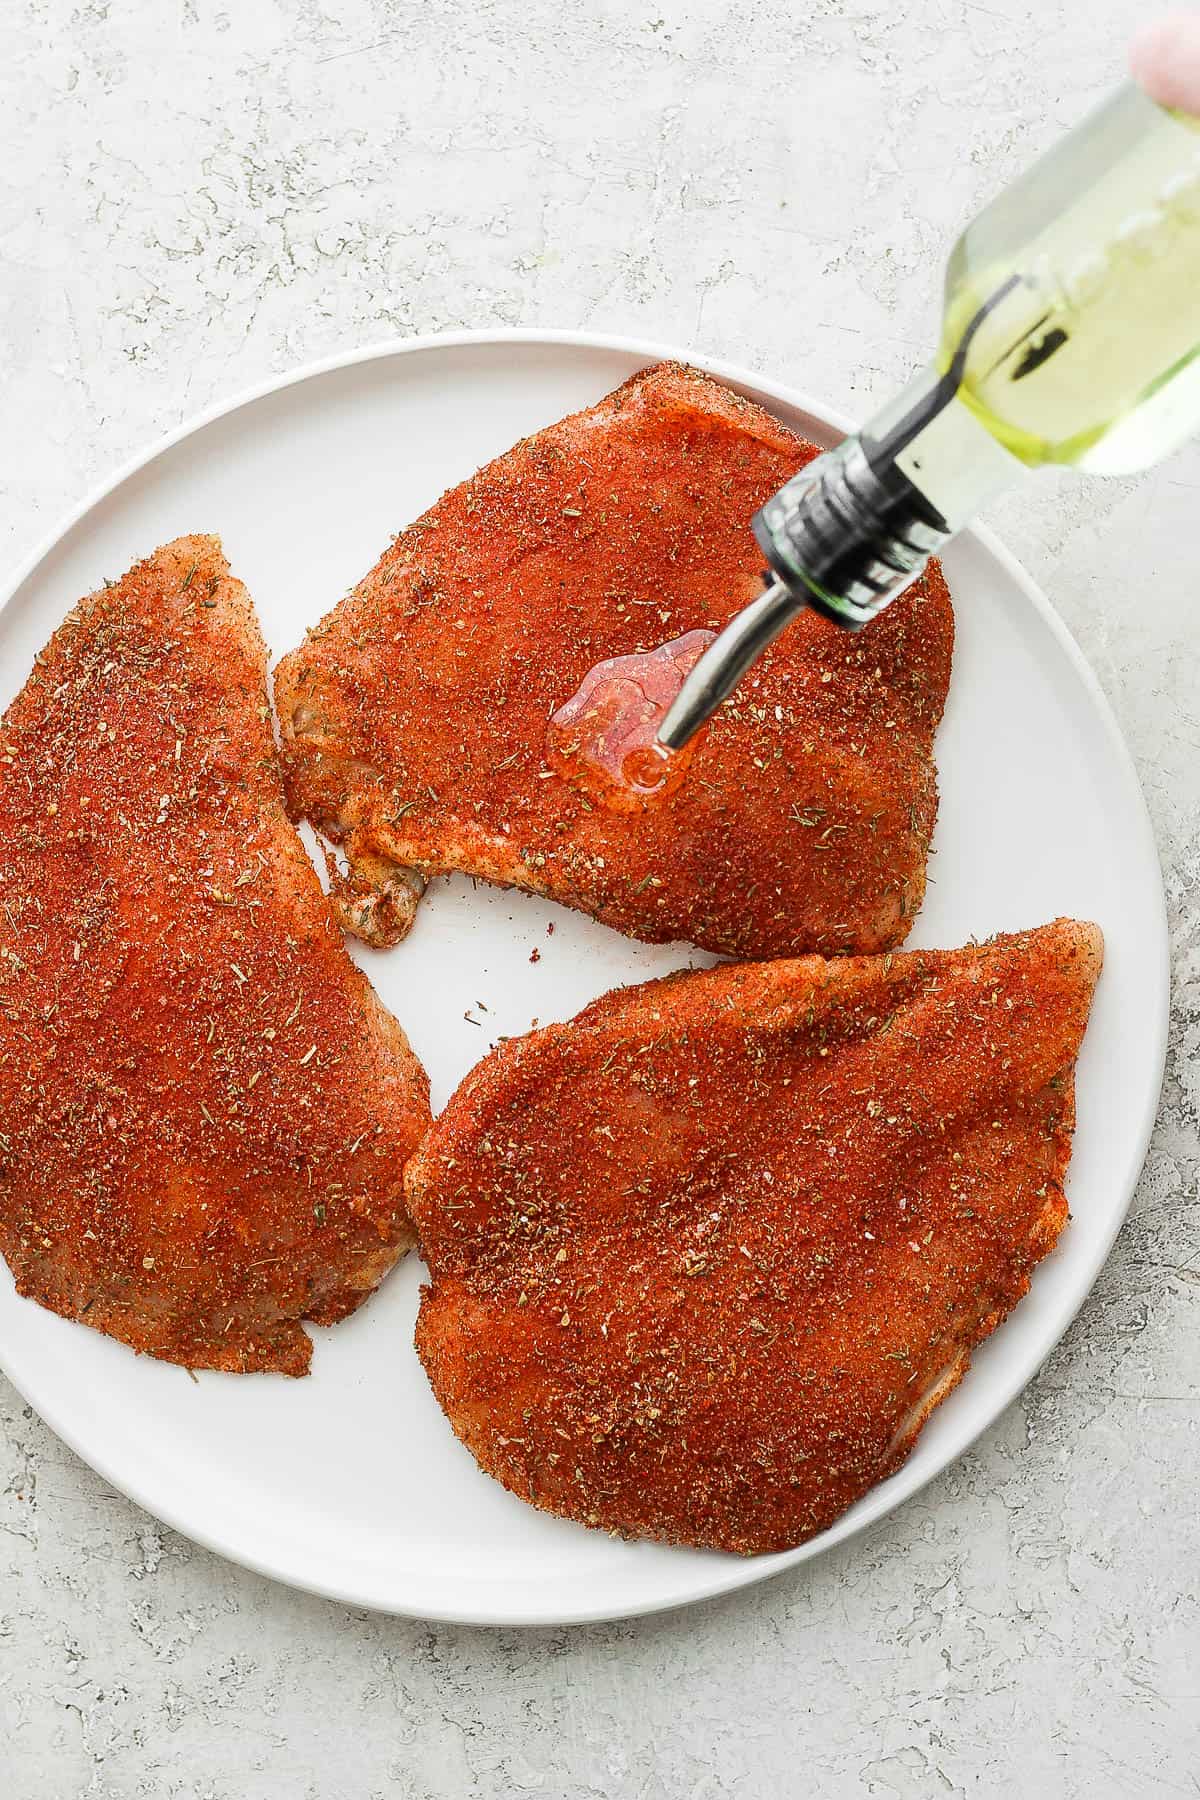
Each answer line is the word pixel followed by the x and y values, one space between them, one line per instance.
pixel 1070 335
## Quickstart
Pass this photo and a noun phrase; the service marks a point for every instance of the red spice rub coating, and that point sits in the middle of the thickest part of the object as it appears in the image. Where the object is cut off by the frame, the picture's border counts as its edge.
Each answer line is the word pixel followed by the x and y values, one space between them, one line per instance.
pixel 704 1259
pixel 204 1110
pixel 414 716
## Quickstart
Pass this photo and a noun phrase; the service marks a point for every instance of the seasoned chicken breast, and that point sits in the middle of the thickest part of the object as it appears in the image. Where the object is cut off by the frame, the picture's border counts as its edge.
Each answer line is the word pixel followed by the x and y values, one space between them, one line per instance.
pixel 703 1260
pixel 204 1110
pixel 414 717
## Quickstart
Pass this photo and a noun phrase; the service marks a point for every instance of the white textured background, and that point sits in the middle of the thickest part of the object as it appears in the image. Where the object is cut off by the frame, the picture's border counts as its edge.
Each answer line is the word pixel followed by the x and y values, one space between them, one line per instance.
pixel 193 195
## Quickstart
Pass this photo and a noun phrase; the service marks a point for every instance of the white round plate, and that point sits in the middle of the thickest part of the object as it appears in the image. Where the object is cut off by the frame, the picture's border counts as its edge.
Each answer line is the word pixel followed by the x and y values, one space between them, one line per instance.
pixel 350 1483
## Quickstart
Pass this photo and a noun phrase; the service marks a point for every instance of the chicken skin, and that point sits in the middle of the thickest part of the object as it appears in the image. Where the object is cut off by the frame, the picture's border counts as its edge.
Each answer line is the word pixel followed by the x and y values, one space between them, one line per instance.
pixel 704 1259
pixel 414 717
pixel 204 1110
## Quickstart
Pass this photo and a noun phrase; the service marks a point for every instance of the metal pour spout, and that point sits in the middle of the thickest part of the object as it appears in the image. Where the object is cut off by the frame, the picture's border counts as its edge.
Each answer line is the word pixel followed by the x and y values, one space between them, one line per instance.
pixel 844 537
pixel 725 662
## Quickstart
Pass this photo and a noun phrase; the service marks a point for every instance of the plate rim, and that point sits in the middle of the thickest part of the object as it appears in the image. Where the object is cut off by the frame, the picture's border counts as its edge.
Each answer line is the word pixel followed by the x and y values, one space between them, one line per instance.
pixel 740 1572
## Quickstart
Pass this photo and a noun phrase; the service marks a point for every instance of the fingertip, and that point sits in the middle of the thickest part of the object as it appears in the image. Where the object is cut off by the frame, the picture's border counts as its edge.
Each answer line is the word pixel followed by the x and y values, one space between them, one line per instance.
pixel 1164 60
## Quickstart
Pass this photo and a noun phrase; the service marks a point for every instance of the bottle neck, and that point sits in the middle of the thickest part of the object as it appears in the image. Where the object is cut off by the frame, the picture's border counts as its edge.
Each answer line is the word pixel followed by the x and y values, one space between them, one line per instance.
pixel 932 437
pixel 855 527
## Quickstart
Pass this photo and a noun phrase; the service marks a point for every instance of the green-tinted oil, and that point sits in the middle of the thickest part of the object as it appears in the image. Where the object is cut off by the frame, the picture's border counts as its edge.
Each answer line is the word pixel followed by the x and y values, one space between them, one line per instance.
pixel 1092 356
